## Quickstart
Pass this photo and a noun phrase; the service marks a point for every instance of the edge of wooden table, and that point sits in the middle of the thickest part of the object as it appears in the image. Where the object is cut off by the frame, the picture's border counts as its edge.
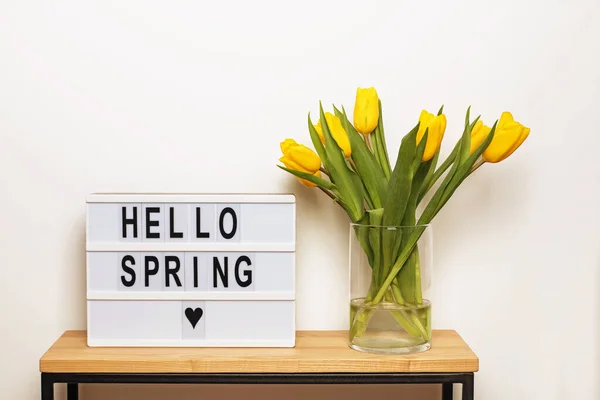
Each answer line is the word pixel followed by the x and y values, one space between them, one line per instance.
pixel 315 352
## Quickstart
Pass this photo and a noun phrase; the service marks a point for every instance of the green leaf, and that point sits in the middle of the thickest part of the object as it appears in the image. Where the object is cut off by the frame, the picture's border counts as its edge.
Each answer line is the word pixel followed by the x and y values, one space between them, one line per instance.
pixel 400 261
pixel 417 184
pixel 429 178
pixel 465 146
pixel 375 217
pixel 399 192
pixel 400 182
pixel 464 169
pixel 439 172
pixel 441 110
pixel 412 276
pixel 369 171
pixel 420 150
pixel 380 147
pixel 430 210
pixel 455 177
pixel 347 182
pixel 409 279
pixel 359 182
pixel 362 234
pixel 316 140
pixel 391 239
pixel 310 177
pixel 468 117
pixel 361 192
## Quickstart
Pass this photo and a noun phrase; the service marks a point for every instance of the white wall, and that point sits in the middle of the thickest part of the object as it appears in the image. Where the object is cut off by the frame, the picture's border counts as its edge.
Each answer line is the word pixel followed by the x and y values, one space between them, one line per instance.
pixel 195 96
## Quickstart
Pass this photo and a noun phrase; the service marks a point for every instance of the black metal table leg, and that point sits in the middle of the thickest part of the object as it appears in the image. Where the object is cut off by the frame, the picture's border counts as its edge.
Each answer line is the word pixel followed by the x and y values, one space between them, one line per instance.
pixel 72 391
pixel 447 391
pixel 468 388
pixel 447 380
pixel 47 387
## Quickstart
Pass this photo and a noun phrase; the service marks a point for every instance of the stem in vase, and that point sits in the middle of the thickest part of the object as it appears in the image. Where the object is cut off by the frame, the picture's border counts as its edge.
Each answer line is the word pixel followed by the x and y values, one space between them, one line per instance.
pixel 383 285
pixel 407 319
pixel 404 254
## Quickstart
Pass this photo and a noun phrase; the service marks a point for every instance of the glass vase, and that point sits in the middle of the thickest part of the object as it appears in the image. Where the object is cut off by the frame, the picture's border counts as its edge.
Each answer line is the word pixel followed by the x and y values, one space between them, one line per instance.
pixel 390 274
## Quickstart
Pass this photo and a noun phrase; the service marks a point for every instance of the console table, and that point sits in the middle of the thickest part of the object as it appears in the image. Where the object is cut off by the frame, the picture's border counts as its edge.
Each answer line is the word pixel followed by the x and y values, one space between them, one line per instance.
pixel 320 357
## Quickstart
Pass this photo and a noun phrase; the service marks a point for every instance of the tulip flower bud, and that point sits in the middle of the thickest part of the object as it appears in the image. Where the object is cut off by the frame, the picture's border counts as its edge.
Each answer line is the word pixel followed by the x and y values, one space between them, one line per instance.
pixel 319 130
pixel 300 158
pixel 437 128
pixel 337 131
pixel 509 135
pixel 366 110
pixel 479 133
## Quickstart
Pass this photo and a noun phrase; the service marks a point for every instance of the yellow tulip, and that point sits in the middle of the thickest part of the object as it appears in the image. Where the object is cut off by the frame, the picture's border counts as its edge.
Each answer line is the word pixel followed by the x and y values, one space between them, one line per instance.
pixel 366 110
pixel 478 135
pixel 337 131
pixel 509 135
pixel 300 158
pixel 437 127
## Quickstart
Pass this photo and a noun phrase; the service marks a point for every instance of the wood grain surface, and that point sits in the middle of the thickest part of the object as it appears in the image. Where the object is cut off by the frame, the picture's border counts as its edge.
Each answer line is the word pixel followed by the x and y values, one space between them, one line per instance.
pixel 315 351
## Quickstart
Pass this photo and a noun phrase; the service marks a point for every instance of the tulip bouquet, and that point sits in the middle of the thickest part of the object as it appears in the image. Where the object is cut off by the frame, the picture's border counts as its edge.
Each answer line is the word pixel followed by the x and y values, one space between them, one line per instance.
pixel 352 167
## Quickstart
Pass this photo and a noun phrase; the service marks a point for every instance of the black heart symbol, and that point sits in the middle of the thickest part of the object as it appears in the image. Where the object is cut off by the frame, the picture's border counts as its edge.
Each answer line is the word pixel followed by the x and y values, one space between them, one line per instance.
pixel 193 315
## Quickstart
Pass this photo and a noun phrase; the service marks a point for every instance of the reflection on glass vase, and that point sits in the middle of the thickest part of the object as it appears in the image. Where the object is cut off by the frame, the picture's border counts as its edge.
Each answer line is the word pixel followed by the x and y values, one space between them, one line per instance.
pixel 390 273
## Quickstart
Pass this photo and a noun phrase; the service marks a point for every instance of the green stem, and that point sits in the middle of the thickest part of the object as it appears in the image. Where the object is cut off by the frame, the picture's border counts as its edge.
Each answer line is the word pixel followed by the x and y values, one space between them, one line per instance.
pixel 397 294
pixel 390 242
pixel 438 173
pixel 383 244
pixel 360 322
pixel 419 324
pixel 328 193
pixel 375 240
pixel 406 321
pixel 477 165
pixel 368 142
pixel 380 153
pixel 404 254
pixel 418 283
pixel 410 322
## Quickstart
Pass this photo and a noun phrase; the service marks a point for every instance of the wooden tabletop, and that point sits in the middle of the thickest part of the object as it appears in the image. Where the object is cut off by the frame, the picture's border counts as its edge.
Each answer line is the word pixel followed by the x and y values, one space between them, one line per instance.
pixel 315 352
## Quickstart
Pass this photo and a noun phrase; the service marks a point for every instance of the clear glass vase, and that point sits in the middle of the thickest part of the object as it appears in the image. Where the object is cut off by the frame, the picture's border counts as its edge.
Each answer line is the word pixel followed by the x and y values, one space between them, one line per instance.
pixel 390 274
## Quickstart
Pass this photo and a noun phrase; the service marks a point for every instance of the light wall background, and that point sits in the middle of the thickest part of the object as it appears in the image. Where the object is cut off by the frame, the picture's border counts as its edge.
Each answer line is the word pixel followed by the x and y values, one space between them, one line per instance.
pixel 195 96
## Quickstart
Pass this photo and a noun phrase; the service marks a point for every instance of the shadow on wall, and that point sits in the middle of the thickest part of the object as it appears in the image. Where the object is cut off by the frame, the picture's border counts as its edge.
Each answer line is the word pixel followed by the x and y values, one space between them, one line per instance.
pixel 260 392
pixel 79 266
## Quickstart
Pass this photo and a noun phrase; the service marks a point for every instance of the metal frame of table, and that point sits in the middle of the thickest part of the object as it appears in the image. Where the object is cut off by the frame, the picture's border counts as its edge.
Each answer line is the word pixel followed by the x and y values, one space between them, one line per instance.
pixel 447 380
